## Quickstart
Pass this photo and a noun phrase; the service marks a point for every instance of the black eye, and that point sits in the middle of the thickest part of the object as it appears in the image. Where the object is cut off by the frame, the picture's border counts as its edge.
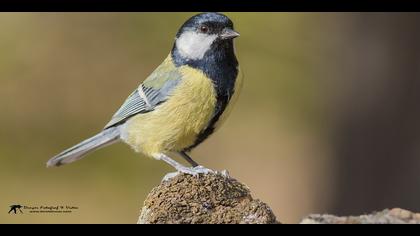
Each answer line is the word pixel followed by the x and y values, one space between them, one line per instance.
pixel 204 29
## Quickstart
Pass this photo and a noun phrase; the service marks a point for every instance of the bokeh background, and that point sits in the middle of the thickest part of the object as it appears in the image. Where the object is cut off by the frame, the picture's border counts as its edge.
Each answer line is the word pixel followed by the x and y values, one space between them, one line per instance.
pixel 327 122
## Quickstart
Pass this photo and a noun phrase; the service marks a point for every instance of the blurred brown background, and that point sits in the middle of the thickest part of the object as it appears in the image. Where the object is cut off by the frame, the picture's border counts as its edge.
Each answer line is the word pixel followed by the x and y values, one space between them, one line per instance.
pixel 328 120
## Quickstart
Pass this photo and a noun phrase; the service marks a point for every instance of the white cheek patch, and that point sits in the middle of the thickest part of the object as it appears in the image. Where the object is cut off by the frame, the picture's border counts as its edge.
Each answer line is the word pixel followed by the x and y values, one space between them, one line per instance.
pixel 193 45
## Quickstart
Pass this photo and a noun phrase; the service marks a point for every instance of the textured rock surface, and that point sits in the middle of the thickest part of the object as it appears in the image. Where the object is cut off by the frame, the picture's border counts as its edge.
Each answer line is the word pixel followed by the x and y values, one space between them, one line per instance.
pixel 211 198
pixel 394 216
pixel 220 199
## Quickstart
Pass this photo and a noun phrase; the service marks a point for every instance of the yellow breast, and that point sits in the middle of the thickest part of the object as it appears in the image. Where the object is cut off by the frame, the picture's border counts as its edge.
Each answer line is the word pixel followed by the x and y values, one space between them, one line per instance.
pixel 175 124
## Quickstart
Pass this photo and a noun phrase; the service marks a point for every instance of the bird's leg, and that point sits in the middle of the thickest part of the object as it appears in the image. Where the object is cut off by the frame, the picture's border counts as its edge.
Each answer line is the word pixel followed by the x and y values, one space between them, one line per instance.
pixel 180 168
pixel 195 165
pixel 189 159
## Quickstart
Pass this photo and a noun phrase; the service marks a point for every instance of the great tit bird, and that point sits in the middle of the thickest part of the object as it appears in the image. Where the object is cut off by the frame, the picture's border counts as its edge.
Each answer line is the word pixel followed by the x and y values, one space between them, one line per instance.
pixel 181 103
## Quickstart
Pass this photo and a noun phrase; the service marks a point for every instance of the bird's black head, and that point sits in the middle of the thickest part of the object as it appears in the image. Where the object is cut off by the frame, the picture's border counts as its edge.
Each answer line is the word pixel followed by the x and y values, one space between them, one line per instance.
pixel 203 35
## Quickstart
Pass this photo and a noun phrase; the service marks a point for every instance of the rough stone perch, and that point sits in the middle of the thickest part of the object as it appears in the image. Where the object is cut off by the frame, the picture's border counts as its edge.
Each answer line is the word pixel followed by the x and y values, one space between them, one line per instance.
pixel 216 198
pixel 213 198
pixel 394 216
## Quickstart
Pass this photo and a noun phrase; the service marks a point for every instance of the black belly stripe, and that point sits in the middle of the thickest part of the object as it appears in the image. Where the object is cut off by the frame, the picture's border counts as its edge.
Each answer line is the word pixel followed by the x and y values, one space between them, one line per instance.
pixel 225 88
pixel 221 66
pixel 220 108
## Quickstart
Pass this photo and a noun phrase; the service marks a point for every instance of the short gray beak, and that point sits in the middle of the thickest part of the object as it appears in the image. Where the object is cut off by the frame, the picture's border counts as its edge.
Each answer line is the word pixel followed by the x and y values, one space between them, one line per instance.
pixel 229 34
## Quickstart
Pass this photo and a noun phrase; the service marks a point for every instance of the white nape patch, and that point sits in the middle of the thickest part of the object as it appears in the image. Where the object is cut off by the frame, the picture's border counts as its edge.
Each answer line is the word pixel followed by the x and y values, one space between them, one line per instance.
pixel 193 45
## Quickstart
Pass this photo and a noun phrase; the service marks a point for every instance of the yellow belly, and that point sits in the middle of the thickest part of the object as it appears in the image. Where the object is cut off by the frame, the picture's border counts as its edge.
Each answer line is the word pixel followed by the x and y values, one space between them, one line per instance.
pixel 175 124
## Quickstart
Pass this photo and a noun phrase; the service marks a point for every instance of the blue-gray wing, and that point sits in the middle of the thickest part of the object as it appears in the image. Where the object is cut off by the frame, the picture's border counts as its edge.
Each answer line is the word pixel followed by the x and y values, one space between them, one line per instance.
pixel 134 104
pixel 153 91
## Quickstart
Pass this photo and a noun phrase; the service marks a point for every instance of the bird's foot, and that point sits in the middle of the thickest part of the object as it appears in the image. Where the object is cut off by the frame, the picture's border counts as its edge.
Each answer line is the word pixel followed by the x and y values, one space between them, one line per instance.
pixel 202 170
pixel 194 171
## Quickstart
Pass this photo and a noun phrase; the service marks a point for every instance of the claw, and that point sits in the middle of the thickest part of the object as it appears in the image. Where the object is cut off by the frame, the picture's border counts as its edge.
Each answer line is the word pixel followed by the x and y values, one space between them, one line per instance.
pixel 225 173
pixel 171 175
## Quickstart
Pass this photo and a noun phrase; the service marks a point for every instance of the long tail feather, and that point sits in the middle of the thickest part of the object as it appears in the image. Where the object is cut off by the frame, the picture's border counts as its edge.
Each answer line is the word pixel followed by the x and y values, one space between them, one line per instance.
pixel 77 152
